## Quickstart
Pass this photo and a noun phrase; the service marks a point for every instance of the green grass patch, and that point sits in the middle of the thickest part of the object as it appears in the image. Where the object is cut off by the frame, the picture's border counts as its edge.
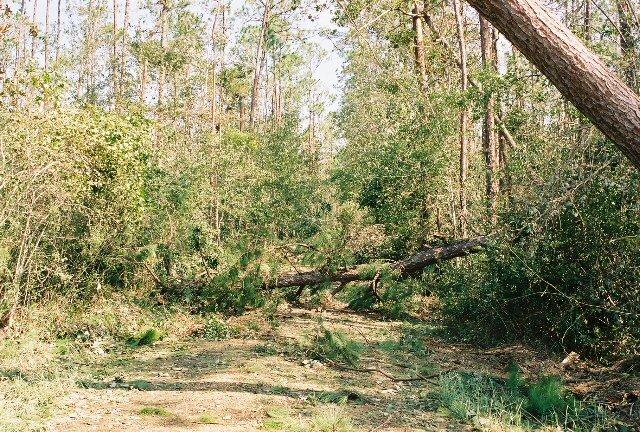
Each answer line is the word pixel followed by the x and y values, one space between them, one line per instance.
pixel 515 404
pixel 216 329
pixel 141 385
pixel 147 337
pixel 207 418
pixel 154 411
pixel 335 346
pixel 340 397
pixel 322 419
pixel 266 350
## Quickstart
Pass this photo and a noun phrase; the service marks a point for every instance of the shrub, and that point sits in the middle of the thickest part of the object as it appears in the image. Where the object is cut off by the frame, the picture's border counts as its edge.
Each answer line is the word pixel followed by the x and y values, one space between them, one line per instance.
pixel 335 346
pixel 147 337
pixel 215 328
pixel 495 405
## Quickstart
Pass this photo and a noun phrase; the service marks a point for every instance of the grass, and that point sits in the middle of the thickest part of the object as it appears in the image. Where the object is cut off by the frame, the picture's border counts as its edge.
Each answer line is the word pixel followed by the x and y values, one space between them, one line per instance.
pixel 215 328
pixel 340 397
pixel 154 411
pixel 141 385
pixel 326 418
pixel 208 418
pixel 496 405
pixel 33 379
pixel 147 337
pixel 39 364
pixel 335 346
pixel 266 350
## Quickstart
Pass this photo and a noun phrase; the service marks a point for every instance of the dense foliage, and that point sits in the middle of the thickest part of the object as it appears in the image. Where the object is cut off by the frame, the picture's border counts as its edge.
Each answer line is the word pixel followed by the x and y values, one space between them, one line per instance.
pixel 194 158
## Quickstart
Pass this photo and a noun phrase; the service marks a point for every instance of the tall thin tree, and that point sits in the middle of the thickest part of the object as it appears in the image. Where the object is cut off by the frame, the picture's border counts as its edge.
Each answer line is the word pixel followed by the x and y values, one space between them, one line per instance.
pixel 577 72
pixel 464 115
pixel 164 9
pixel 58 30
pixel 46 34
pixel 34 29
pixel 489 136
pixel 259 59
pixel 124 47
pixel 114 55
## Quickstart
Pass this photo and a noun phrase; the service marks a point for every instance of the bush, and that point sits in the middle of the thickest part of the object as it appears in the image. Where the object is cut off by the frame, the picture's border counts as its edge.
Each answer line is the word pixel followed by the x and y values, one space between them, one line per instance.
pixel 215 329
pixel 569 279
pixel 147 337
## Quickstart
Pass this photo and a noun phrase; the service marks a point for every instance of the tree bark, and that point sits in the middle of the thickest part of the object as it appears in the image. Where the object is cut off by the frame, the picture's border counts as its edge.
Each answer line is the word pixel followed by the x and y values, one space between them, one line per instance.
pixel 114 60
pixel 163 44
pixel 504 132
pixel 464 116
pixel 579 74
pixel 34 34
pixel 417 21
pixel 627 42
pixel 123 48
pixel 489 136
pixel 404 268
pixel 46 34
pixel 258 64
pixel 58 29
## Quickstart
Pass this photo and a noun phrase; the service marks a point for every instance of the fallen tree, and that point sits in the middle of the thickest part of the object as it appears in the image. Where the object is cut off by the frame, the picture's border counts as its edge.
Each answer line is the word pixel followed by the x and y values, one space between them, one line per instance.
pixel 369 272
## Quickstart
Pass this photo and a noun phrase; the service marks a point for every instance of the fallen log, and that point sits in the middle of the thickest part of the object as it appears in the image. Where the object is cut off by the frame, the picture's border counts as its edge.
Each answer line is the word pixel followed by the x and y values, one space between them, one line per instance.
pixel 402 269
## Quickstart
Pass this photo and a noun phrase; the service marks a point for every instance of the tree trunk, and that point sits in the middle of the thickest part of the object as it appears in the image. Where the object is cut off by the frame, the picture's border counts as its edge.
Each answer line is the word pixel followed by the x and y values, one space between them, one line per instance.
pixel 443 43
pixel 464 116
pixel 114 60
pixel 123 47
pixel 20 42
pixel 489 136
pixel 214 74
pixel 163 45
pixel 258 65
pixel 404 268
pixel 587 21
pixel 34 35
pixel 417 20
pixel 579 74
pixel 58 29
pixel 46 35
pixel 627 42
pixel 89 67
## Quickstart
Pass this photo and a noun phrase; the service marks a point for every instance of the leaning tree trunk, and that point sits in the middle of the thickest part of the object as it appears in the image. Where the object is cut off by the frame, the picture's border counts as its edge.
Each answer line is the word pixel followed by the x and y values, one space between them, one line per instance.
pixel 402 269
pixel 578 73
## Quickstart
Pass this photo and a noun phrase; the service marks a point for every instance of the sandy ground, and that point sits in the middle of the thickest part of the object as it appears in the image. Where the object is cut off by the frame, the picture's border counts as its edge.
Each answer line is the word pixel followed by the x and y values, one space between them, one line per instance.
pixel 264 381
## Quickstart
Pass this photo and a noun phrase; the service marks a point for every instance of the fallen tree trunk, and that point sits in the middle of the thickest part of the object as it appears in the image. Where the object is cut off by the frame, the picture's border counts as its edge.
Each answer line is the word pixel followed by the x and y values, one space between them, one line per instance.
pixel 402 268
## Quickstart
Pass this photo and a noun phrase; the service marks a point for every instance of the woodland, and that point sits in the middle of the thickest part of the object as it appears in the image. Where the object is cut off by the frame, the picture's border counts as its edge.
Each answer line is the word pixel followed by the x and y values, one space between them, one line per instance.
pixel 319 215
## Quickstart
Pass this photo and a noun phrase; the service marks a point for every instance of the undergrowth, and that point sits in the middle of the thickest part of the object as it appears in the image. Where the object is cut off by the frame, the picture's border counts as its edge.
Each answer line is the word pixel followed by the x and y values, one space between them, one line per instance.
pixel 517 404
pixel 335 346
pixel 32 377
pixel 39 361
pixel 321 419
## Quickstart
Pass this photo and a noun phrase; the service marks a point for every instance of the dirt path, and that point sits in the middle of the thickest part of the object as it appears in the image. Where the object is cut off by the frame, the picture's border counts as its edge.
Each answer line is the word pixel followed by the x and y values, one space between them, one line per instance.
pixel 261 382
pixel 267 380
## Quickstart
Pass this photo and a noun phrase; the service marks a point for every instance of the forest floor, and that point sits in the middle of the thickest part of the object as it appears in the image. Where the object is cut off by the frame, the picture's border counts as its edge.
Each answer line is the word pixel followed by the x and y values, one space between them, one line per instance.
pixel 266 378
